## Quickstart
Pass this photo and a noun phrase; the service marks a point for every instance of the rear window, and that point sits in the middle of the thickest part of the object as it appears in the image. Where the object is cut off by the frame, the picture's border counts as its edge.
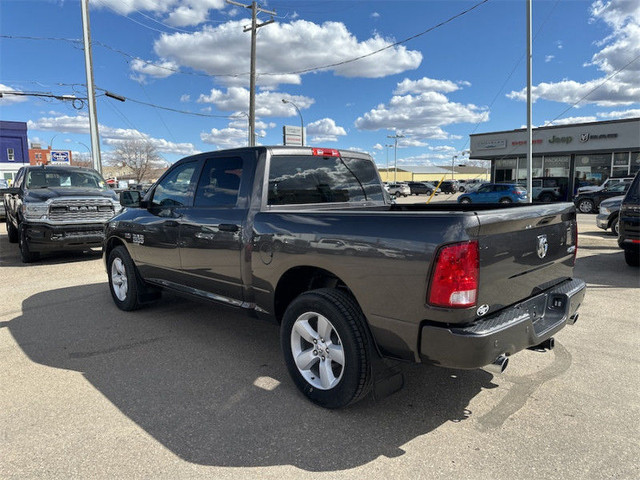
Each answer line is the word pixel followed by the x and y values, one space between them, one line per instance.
pixel 314 179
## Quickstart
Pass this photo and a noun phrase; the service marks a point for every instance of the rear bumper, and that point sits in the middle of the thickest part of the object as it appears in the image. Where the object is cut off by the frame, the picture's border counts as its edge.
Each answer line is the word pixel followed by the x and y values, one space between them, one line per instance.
pixel 47 238
pixel 524 325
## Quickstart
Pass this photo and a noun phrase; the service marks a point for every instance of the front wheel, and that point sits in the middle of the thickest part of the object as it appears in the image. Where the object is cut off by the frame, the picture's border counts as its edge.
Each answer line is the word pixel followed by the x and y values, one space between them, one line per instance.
pixel 26 255
pixel 465 200
pixel 123 281
pixel 324 342
pixel 12 232
pixel 615 227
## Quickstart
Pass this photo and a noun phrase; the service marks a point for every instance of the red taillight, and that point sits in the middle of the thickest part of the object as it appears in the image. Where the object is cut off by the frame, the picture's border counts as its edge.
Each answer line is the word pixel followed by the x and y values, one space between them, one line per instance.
pixel 326 152
pixel 454 283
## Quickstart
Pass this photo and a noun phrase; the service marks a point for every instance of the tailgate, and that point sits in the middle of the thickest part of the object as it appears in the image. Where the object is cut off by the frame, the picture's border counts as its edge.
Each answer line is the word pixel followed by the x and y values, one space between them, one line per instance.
pixel 524 250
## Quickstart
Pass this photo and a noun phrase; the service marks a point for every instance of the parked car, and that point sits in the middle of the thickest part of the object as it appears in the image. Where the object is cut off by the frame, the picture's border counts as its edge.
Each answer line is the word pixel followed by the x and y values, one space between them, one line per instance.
pixel 629 224
pixel 549 189
pixel 462 288
pixel 449 186
pixel 608 216
pixel 495 193
pixel 52 208
pixel 588 202
pixel 3 184
pixel 467 185
pixel 398 189
pixel 419 188
pixel 609 182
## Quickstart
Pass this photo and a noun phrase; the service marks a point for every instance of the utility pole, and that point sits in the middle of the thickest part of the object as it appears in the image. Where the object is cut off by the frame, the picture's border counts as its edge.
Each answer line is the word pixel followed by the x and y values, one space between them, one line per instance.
pixel 395 154
pixel 252 82
pixel 91 91
pixel 387 149
pixel 529 119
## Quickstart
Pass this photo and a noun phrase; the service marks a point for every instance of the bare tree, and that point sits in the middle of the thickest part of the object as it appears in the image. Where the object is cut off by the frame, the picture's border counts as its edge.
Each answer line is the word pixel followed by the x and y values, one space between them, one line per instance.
pixel 139 156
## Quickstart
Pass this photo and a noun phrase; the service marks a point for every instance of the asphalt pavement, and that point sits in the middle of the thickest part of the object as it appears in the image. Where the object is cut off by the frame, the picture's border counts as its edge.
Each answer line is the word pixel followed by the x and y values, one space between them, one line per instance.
pixel 186 389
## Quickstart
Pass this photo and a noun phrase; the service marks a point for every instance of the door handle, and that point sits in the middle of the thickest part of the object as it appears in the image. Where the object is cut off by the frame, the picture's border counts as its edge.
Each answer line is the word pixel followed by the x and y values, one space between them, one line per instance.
pixel 228 227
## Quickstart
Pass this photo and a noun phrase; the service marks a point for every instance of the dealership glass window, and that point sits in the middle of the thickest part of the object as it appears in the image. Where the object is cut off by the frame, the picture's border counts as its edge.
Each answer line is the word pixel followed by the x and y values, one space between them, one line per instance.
pixel 592 169
pixel 11 154
pixel 620 164
pixel 635 163
pixel 556 166
pixel 505 169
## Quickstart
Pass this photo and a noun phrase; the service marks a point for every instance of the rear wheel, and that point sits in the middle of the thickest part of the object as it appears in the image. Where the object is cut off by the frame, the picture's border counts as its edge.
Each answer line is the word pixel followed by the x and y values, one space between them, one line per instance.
pixel 324 342
pixel 546 198
pixel 506 200
pixel 632 257
pixel 26 254
pixel 585 206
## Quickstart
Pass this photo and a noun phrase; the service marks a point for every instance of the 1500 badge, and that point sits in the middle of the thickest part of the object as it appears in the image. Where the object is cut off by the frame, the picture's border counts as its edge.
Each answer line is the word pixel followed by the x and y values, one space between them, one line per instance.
pixel 137 238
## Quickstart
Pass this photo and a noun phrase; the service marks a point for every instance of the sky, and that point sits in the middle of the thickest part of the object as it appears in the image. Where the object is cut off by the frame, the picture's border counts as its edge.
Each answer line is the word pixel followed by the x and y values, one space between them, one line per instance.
pixel 358 71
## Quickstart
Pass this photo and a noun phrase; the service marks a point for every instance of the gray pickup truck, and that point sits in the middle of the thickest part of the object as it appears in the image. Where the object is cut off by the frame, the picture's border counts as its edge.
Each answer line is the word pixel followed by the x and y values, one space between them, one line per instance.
pixel 309 238
pixel 53 208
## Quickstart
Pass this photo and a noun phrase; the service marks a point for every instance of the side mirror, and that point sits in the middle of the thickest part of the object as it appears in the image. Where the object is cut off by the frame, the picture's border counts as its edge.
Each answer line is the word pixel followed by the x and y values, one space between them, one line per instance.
pixel 130 198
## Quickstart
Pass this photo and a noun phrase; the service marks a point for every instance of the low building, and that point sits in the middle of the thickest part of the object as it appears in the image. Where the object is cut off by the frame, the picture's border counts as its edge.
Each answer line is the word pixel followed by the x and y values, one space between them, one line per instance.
pixel 14 149
pixel 433 174
pixel 584 153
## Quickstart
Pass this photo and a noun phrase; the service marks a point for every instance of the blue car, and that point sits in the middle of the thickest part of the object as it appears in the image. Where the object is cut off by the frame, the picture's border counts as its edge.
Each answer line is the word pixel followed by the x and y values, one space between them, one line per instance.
pixel 495 193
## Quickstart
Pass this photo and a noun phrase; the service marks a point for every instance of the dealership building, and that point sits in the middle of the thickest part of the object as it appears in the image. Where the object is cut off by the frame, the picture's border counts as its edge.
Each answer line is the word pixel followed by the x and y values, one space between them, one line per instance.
pixel 584 153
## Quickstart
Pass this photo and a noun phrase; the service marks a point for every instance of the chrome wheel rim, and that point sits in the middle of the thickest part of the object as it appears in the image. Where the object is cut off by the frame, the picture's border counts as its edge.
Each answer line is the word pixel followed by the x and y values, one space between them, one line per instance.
pixel 119 282
pixel 317 351
pixel 585 207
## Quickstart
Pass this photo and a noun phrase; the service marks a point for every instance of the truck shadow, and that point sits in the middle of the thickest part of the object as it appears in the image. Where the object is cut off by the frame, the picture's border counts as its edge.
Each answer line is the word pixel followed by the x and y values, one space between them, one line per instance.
pixel 606 269
pixel 210 384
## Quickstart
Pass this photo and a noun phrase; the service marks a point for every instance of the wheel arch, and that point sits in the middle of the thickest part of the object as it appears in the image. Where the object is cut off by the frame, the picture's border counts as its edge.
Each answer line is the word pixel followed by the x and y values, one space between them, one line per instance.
pixel 109 245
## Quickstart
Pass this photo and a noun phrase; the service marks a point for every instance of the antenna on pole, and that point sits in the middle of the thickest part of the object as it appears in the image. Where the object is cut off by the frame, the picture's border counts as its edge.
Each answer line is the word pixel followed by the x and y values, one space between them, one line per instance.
pixel 529 121
pixel 252 83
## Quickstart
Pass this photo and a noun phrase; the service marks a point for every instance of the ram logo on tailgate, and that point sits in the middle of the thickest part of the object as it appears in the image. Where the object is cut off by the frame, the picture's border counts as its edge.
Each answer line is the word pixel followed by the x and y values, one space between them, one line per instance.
pixel 543 246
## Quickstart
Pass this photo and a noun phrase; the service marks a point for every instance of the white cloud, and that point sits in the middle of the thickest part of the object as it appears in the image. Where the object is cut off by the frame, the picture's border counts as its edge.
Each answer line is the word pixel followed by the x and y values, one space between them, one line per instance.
pixel 145 69
pixel 179 13
pixel 227 137
pixel 425 85
pixel 377 146
pixel 268 104
pixel 422 115
pixel 325 130
pixel 632 113
pixel 307 45
pixel 570 121
pixel 108 135
pixel 185 98
pixel 375 15
pixel 548 58
pixel 9 99
pixel 617 59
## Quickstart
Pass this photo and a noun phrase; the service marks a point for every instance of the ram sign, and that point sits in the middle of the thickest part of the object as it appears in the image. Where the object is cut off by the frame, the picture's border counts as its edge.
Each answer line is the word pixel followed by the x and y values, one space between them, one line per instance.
pixel 60 157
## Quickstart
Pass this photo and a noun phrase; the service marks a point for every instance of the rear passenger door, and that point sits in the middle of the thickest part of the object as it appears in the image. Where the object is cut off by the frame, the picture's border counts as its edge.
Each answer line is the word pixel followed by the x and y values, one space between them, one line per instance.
pixel 211 231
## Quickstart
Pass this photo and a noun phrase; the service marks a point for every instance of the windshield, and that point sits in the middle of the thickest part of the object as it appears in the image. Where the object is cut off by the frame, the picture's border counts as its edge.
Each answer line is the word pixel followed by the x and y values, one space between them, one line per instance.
pixel 315 179
pixel 41 178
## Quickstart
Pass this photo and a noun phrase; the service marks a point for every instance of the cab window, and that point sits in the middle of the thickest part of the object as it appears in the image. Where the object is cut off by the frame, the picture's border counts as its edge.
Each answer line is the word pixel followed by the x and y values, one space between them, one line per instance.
pixel 173 190
pixel 219 182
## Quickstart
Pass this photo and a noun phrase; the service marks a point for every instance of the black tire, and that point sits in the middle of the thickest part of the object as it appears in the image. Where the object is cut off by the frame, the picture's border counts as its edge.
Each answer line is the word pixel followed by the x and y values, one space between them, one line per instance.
pixel 465 200
pixel 506 200
pixel 546 198
pixel 351 381
pixel 632 257
pixel 585 206
pixel 26 254
pixel 124 283
pixel 12 232
pixel 429 193
pixel 615 225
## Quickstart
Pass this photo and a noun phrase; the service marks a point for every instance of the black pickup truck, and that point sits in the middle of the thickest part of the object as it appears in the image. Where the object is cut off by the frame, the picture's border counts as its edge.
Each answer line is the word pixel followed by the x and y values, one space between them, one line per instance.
pixel 309 238
pixel 52 208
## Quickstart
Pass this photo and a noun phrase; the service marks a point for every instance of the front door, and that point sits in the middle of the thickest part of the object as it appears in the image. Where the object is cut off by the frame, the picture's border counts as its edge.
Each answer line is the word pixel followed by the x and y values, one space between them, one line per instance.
pixel 155 241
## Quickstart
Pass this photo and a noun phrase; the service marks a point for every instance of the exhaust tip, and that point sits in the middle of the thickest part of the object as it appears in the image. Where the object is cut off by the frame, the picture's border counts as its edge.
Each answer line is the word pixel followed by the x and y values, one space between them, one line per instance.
pixel 498 366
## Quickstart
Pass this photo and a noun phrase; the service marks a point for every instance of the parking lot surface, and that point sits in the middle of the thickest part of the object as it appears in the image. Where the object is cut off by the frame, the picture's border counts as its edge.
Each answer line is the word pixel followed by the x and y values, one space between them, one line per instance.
pixel 185 389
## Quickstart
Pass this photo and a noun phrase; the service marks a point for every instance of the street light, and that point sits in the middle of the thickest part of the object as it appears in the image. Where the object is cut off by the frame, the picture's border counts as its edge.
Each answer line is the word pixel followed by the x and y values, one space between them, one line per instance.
pixel 388 147
pixel 51 141
pixel 453 159
pixel 395 154
pixel 284 100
